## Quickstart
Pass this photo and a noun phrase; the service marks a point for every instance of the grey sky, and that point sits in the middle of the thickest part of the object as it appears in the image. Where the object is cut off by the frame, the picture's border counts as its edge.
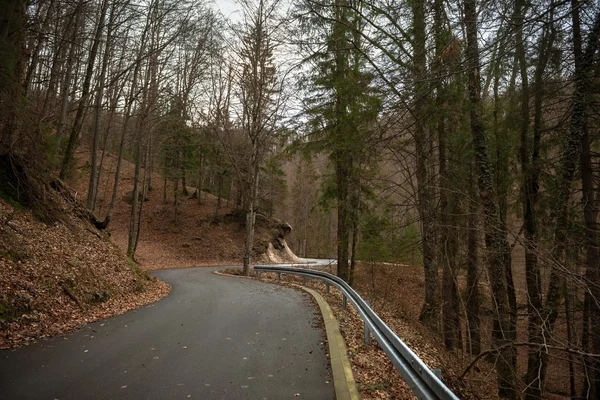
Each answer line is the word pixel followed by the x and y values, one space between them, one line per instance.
pixel 228 8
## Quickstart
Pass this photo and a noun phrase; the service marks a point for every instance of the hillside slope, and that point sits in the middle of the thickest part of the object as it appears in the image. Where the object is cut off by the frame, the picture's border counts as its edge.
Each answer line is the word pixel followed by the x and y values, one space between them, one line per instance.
pixel 204 233
pixel 56 277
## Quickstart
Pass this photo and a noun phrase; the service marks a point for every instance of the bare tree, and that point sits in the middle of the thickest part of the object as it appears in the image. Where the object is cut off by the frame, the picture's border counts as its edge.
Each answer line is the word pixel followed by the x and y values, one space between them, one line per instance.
pixel 85 92
pixel 258 92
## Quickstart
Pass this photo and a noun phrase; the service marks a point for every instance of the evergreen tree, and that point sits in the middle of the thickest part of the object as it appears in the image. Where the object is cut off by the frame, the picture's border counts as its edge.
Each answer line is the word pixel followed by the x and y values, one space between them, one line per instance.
pixel 343 108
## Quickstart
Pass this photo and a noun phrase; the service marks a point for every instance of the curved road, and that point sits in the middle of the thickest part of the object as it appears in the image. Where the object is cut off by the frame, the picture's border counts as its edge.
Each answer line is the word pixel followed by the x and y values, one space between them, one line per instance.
pixel 213 337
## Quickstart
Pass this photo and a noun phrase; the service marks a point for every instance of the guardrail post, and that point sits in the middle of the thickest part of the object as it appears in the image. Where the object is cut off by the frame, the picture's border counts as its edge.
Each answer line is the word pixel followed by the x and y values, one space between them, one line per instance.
pixel 279 276
pixel 345 302
pixel 367 331
pixel 327 284
pixel 257 272
pixel 437 372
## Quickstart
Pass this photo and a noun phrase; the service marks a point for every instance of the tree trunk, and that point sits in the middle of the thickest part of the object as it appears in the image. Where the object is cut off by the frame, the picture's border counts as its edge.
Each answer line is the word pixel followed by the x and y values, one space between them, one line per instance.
pixel 584 67
pixel 219 190
pixel 184 182
pixel 42 29
pixel 165 201
pixel 200 175
pixel 66 83
pixel 590 210
pixel 569 299
pixel 585 346
pixel 146 181
pixel 531 171
pixel 176 187
pixel 113 106
pixel 341 158
pixel 13 15
pixel 133 219
pixel 92 186
pixel 430 312
pixel 573 151
pixel 447 245
pixel 496 244
pixel 472 303
pixel 58 61
pixel 344 219
pixel 251 207
pixel 85 91
pixel 355 207
pixel 128 104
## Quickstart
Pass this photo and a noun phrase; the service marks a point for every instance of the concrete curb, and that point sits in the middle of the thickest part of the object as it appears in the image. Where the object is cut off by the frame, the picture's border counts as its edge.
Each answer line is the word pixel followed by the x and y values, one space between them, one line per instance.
pixel 343 379
pixel 233 276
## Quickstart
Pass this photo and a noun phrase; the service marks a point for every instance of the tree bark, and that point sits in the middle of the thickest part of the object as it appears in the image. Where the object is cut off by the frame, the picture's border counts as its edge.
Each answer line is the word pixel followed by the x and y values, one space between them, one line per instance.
pixel 472 302
pixel 85 92
pixel 531 170
pixel 343 220
pixel 577 137
pixel 184 182
pixel 201 175
pixel 127 116
pixel 12 41
pixel 341 158
pixel 355 221
pixel 447 245
pixel 66 83
pixel 38 46
pixel 424 158
pixel 251 207
pixel 146 182
pixel 135 201
pixel 584 67
pixel 92 186
pixel 496 244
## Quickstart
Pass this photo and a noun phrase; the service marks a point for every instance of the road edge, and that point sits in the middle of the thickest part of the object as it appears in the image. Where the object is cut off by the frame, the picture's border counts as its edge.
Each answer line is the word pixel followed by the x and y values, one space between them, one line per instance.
pixel 343 379
pixel 341 369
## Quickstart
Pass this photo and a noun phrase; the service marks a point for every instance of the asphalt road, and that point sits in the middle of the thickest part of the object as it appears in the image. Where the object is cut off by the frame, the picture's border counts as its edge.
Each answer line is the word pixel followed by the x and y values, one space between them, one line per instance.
pixel 213 337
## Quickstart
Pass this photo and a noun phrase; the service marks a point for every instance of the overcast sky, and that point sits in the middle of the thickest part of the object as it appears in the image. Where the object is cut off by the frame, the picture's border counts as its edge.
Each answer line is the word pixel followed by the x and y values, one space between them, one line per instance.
pixel 228 8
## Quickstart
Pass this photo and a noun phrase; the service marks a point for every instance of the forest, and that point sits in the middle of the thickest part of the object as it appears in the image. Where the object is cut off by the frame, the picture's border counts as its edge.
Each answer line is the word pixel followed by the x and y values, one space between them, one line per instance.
pixel 458 136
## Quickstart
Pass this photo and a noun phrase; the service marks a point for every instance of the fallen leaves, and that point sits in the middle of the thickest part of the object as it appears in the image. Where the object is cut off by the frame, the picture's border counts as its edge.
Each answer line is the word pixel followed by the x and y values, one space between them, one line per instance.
pixel 63 278
pixel 374 373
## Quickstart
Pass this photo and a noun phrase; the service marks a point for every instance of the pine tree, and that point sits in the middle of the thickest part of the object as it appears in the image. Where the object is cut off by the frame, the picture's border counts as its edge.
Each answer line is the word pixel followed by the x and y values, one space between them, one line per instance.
pixel 343 108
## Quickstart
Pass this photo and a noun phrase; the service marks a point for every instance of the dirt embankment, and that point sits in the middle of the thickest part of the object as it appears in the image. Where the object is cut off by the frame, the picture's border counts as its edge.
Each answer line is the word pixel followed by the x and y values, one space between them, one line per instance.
pixel 56 277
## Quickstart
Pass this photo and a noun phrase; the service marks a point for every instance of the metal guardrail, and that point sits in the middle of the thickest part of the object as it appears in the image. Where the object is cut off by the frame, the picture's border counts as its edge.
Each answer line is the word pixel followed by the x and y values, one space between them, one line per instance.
pixel 423 381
